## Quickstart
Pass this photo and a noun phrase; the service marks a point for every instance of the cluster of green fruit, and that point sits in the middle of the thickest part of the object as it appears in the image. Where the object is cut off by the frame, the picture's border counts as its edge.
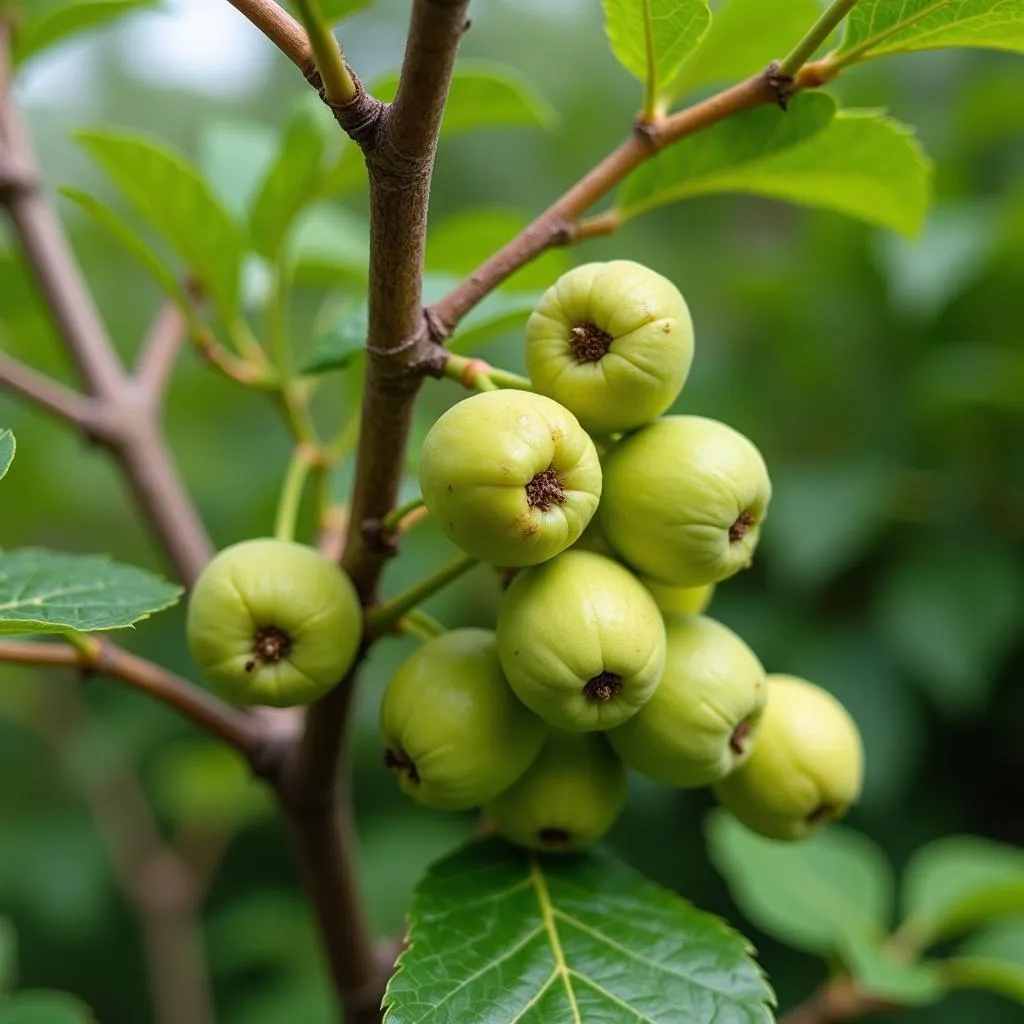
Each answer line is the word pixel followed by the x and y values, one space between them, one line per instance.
pixel 618 522
pixel 601 659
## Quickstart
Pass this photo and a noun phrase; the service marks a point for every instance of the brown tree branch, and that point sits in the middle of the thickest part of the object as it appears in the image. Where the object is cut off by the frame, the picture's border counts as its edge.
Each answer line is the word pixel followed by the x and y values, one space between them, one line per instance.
pixel 44 391
pixel 160 349
pixel 129 420
pixel 234 727
pixel 836 1002
pixel 555 226
pixel 280 28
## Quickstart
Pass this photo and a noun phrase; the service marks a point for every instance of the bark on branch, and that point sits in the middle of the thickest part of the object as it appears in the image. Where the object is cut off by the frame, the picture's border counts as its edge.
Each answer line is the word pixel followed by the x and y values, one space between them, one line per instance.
pixel 836 1002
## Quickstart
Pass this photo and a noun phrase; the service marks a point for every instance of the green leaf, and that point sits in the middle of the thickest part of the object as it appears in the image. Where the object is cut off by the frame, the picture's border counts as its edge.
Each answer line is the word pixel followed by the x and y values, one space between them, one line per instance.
pixel 289 184
pixel 44 1007
pixel 54 24
pixel 812 895
pixel 47 592
pixel 973 374
pixel 745 36
pixel 460 243
pixel 484 95
pixel 207 782
pixel 878 27
pixel 344 341
pixel 497 935
pixel 234 157
pixel 959 882
pixel 882 973
pixel 168 191
pixel 992 959
pixel 134 243
pixel 950 615
pixel 335 10
pixel 8 956
pixel 861 163
pixel 652 38
pixel 327 241
pixel 8 446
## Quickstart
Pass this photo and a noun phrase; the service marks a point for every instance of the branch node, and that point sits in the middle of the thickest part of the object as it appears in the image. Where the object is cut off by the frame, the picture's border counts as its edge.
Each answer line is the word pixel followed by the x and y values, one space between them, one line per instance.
pixel 782 86
pixel 378 539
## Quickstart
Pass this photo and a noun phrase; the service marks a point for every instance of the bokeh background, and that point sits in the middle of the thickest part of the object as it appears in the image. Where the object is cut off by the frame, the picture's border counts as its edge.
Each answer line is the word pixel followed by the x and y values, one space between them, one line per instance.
pixel 883 380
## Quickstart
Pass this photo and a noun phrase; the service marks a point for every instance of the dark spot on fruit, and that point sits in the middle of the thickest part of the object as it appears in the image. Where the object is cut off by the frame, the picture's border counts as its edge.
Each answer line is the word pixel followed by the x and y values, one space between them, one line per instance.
pixel 739 529
pixel 451 487
pixel 399 761
pixel 270 645
pixel 820 813
pixel 554 836
pixel 739 737
pixel 545 490
pixel 589 343
pixel 603 687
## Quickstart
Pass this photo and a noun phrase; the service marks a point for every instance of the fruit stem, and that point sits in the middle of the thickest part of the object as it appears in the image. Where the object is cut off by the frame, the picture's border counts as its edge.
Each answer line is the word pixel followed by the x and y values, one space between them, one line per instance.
pixel 302 460
pixel 816 35
pixel 338 84
pixel 393 520
pixel 419 624
pixel 389 612
pixel 478 374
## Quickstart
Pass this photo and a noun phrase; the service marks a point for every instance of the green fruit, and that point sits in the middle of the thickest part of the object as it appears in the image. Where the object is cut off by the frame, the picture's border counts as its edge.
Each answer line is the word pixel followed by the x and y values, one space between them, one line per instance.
pixel 613 342
pixel 581 641
pixel 569 797
pixel 273 622
pixel 701 723
pixel 681 600
pixel 684 499
pixel 511 477
pixel 453 731
pixel 806 768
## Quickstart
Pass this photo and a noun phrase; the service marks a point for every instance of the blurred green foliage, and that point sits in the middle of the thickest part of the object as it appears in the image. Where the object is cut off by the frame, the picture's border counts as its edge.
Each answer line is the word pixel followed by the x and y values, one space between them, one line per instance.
pixel 883 380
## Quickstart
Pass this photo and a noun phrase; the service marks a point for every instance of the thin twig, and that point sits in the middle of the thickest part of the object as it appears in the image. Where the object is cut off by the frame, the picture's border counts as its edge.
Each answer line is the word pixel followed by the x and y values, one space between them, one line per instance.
pixel 280 28
pixel 48 393
pixel 836 1002
pixel 233 727
pixel 160 349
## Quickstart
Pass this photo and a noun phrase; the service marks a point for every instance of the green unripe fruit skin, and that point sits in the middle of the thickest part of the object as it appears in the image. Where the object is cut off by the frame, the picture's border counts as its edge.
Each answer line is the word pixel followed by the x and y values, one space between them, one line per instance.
pixel 806 768
pixel 274 623
pixel 632 315
pixel 453 731
pixel 701 724
pixel 510 477
pixel 679 600
pixel 568 798
pixel 581 641
pixel 684 499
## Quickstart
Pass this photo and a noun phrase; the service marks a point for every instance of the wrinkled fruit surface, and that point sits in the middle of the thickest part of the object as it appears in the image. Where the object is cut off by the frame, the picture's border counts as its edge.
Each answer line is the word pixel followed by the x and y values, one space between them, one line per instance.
pixel 806 768
pixel 273 622
pixel 569 797
pixel 684 499
pixel 454 734
pixel 613 342
pixel 510 477
pixel 581 641
pixel 701 724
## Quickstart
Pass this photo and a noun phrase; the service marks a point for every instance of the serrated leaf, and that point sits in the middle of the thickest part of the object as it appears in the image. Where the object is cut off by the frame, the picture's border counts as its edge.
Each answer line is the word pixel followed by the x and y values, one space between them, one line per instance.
pixel 54 24
pixel 483 95
pixel 861 163
pixel 950 615
pixel 878 27
pixel 744 37
pixel 134 243
pixel 170 193
pixel 881 972
pixel 812 895
pixel 335 10
pixel 47 592
pixel 8 446
pixel 652 38
pixel 43 1007
pixel 959 882
pixel 497 935
pixel 340 344
pixel 289 184
pixel 8 956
